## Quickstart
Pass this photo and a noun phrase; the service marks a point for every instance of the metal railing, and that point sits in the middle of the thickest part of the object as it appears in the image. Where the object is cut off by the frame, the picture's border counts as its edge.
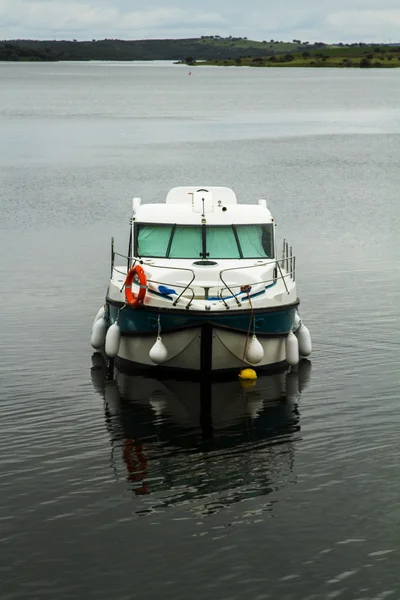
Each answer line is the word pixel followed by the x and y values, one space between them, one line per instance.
pixel 288 260
pixel 132 261
pixel 187 287
pixel 266 282
pixel 285 268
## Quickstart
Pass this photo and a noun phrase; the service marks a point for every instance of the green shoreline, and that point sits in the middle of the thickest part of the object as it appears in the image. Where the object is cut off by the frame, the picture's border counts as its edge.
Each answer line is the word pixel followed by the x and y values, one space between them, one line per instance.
pixel 378 57
pixel 299 64
pixel 210 50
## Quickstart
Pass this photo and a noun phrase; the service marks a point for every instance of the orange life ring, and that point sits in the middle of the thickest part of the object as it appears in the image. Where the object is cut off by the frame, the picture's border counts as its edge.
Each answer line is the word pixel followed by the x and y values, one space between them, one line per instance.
pixel 137 274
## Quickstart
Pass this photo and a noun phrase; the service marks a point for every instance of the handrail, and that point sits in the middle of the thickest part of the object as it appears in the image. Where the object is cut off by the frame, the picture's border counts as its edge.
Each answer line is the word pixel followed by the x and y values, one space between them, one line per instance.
pixel 266 263
pixel 188 285
pixel 163 283
pixel 124 256
pixel 240 286
pixel 180 295
pixel 160 282
pixel 288 261
pixel 112 255
pixel 283 279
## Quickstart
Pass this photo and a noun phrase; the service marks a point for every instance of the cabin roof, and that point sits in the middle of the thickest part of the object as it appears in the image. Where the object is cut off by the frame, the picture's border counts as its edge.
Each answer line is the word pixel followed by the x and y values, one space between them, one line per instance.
pixel 192 205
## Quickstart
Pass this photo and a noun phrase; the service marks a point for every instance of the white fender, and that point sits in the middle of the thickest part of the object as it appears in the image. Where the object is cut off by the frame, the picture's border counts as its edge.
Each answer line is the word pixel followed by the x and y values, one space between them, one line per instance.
pixel 304 338
pixel 158 353
pixel 113 340
pixel 297 321
pixel 100 314
pixel 292 349
pixel 254 351
pixel 98 334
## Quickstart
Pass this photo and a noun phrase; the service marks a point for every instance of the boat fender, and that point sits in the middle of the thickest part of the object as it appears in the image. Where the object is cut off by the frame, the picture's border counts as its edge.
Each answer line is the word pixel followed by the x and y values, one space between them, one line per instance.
pixel 247 374
pixel 158 353
pixel 292 349
pixel 113 340
pixel 254 351
pixel 100 314
pixel 297 322
pixel 304 338
pixel 99 334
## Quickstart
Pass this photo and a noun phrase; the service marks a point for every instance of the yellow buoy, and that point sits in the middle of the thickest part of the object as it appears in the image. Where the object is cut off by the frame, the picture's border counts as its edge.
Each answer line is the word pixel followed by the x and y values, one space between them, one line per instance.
pixel 247 374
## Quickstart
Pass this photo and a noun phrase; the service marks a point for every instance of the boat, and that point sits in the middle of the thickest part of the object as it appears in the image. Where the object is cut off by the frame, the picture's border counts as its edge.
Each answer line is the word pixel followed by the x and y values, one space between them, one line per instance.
pixel 202 289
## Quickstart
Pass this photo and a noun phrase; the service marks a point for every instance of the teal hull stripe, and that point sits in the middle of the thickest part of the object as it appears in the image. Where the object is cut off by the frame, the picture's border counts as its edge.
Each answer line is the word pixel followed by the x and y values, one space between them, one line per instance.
pixel 139 321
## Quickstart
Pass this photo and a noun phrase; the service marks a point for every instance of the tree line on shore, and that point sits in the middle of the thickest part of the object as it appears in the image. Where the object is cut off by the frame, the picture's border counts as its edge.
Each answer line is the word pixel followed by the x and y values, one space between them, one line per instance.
pixel 229 50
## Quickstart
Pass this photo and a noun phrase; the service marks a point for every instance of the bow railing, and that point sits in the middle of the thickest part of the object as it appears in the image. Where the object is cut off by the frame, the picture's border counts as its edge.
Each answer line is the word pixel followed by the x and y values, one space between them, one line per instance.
pixel 284 269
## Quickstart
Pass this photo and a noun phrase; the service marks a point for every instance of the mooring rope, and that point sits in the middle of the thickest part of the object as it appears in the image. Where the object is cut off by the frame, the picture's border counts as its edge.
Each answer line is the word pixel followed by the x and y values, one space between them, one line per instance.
pixel 247 290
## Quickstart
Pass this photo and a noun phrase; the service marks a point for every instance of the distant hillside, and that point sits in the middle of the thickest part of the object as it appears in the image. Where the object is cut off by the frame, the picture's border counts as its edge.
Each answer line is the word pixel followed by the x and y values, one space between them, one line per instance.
pixel 204 48
pixel 17 52
pixel 355 55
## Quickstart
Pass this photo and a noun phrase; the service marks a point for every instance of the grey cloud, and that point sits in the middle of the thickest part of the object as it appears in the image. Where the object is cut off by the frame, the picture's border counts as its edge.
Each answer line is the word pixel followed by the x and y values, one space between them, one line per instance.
pixel 351 20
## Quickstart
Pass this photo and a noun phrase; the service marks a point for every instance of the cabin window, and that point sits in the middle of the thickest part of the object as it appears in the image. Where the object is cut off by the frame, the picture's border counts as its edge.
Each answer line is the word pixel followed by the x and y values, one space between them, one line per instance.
pixel 187 242
pixel 153 240
pixel 221 242
pixel 205 241
pixel 256 241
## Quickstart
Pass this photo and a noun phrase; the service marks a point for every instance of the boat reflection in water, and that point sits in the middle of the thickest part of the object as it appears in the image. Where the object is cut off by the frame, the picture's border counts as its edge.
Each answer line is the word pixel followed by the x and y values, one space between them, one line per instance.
pixel 184 440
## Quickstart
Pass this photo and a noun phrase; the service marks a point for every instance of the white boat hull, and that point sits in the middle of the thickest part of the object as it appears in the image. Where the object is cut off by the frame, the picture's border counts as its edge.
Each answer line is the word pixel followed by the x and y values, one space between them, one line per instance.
pixel 187 351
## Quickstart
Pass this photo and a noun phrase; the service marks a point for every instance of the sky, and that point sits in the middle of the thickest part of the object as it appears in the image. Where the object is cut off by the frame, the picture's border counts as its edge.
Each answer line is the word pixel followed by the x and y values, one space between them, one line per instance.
pixel 311 20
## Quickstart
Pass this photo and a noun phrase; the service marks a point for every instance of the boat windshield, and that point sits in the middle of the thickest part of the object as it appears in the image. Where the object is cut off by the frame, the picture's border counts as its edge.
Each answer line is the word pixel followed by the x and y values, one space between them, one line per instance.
pixel 205 241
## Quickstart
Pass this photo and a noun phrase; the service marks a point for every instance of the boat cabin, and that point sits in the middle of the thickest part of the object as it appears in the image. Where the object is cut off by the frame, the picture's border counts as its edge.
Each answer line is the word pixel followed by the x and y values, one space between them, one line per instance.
pixel 203 224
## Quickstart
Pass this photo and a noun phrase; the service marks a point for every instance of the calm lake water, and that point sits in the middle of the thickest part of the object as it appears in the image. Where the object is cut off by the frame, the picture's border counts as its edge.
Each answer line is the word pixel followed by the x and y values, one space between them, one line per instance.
pixel 145 488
